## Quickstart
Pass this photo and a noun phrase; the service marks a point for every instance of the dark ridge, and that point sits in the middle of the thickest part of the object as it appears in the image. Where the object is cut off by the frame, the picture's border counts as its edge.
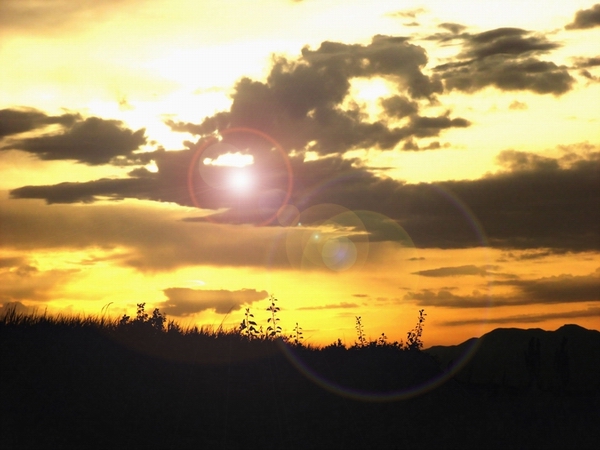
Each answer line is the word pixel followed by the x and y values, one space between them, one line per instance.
pixel 500 358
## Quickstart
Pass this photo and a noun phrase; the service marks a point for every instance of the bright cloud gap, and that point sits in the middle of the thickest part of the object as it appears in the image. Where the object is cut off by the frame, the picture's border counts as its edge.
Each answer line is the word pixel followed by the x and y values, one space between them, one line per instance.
pixel 230 160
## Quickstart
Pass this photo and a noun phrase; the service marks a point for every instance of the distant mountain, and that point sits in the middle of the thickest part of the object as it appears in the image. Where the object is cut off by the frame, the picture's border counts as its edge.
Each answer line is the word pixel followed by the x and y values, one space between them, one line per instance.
pixel 504 357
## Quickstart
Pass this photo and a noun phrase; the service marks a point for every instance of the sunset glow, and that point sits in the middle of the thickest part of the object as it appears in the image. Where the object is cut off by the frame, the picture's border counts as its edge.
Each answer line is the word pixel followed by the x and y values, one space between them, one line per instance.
pixel 349 159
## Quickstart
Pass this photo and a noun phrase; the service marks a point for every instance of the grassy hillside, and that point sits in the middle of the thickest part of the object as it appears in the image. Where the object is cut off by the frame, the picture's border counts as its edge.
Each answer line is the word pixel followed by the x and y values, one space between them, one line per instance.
pixel 94 383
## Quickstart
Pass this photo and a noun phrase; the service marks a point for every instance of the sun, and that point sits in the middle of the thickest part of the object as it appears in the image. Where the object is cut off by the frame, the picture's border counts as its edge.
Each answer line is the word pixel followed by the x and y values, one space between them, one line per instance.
pixel 240 180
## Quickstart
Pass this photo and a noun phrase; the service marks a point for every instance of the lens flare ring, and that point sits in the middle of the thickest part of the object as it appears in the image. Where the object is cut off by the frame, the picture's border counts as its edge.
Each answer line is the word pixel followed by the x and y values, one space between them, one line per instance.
pixel 215 139
pixel 337 248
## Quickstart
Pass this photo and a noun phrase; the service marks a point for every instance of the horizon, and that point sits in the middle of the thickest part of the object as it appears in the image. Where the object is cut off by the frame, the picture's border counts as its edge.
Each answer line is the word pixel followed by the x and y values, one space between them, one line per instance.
pixel 15 310
pixel 348 159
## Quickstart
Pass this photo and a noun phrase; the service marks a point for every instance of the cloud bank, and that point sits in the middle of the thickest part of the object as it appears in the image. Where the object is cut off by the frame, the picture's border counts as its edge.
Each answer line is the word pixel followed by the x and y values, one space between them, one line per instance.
pixel 185 301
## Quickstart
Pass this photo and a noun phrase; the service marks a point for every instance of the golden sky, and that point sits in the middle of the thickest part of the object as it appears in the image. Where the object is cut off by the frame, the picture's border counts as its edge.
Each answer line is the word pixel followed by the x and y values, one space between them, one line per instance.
pixel 350 158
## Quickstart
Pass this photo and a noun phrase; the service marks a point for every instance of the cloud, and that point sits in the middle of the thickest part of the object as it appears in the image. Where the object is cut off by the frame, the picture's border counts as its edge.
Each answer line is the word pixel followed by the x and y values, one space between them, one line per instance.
pixel 533 202
pixel 509 42
pixel 399 106
pixel 305 103
pixel 342 305
pixel 581 62
pixel 446 299
pixel 20 280
pixel 14 121
pixel 12 261
pixel 586 18
pixel 546 291
pixel 518 106
pixel 506 58
pixel 91 141
pixel 531 255
pixel 88 192
pixel 530 74
pixel 527 318
pixel 408 13
pixel 454 28
pixel 53 16
pixel 457 271
pixel 559 289
pixel 516 161
pixel 589 76
pixel 185 301
pixel 138 235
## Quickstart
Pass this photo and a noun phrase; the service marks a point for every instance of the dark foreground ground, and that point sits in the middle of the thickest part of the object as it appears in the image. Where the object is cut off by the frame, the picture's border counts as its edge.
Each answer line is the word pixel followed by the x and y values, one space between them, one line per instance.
pixel 81 387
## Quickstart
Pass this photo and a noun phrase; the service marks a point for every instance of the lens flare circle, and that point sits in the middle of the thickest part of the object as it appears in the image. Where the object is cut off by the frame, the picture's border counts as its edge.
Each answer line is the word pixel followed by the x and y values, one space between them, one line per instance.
pixel 321 237
pixel 339 253
pixel 335 239
pixel 288 216
pixel 212 175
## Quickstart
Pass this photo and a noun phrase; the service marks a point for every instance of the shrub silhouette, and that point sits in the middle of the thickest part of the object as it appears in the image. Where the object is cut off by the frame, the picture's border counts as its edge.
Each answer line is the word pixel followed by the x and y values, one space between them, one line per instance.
pixel 273 330
pixel 248 327
pixel 413 338
pixel 142 320
pixel 362 340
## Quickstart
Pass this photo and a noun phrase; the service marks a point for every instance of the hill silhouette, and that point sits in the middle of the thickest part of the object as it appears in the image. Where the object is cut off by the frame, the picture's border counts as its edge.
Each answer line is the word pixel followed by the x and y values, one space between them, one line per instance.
pixel 500 357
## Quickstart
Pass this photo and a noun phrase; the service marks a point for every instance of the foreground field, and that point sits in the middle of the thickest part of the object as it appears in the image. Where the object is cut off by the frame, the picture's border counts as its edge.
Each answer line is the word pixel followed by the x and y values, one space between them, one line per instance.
pixel 99 384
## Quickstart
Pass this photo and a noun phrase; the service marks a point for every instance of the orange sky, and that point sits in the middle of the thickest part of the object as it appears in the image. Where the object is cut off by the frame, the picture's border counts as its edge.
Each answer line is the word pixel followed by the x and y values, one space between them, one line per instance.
pixel 350 159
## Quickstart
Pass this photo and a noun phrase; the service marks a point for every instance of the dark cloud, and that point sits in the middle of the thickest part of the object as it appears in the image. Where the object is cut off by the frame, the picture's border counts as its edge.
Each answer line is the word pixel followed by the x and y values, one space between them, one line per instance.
pixel 185 301
pixel 506 58
pixel 91 141
pixel 305 101
pixel 454 28
pixel 408 13
pixel 531 74
pixel 510 42
pixel 559 289
pixel 446 299
pixel 528 318
pixel 587 74
pixel 547 291
pixel 531 255
pixel 586 18
pixel 457 271
pixel 581 62
pixel 584 63
pixel 399 106
pixel 89 192
pixel 342 305
pixel 14 121
pixel 516 161
pixel 534 202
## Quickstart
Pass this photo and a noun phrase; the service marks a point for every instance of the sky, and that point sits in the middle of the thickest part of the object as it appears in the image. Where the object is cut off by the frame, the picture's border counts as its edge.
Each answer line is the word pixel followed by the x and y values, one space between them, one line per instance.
pixel 350 158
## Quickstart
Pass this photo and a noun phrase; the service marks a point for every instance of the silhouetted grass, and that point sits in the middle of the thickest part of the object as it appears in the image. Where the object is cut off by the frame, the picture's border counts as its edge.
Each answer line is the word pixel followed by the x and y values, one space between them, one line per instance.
pixel 97 382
